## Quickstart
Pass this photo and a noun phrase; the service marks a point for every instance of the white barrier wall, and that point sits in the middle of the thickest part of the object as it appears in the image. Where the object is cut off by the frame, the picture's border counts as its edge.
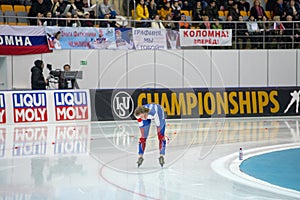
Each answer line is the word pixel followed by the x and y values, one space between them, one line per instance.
pixel 171 69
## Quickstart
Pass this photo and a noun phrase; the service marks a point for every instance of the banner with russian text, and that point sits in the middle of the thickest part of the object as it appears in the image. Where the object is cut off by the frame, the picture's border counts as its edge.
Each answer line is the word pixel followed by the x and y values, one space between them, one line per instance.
pixel 205 37
pixel 18 40
pixel 81 38
pixel 149 39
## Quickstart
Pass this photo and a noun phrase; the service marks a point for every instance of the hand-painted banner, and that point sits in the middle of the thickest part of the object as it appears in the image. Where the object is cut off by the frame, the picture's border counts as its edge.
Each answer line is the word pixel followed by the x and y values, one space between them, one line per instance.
pixel 18 40
pixel 149 39
pixel 81 38
pixel 205 37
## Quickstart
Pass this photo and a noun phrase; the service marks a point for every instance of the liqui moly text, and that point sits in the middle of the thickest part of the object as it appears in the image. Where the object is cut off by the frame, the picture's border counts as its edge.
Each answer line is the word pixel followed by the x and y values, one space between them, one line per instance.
pixel 30 107
pixel 71 106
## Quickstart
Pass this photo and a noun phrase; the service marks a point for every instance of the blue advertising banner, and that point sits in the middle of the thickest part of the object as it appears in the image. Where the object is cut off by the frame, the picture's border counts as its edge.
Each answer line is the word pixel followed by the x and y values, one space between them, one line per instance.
pixel 81 38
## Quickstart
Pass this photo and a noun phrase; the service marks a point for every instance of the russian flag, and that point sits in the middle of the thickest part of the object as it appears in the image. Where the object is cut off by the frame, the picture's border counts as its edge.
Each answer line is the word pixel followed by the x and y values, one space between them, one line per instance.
pixel 20 40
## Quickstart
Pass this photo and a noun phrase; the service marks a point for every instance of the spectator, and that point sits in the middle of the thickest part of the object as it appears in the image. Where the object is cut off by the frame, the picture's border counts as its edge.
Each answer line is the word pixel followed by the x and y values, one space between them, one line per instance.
pixel 279 9
pixel 156 23
pixel 169 24
pixel 183 24
pixel 38 20
pixel 228 4
pixel 166 10
pixel 293 9
pixel 242 34
pixel 206 24
pixel 152 9
pixel 216 25
pixel 198 12
pixel 68 21
pixel 142 13
pixel 49 21
pixel 58 8
pixel 257 11
pixel 79 5
pixel 270 5
pixel 254 32
pixel 243 5
pixel 187 5
pixel 229 25
pixel 73 9
pixel 87 22
pixel 277 33
pixel 38 81
pixel 289 32
pixel 40 6
pixel 212 11
pixel 107 11
pixel 234 11
pixel 176 11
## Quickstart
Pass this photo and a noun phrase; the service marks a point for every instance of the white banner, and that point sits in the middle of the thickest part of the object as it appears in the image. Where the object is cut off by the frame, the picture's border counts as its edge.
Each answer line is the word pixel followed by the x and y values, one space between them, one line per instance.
pixel 149 39
pixel 205 37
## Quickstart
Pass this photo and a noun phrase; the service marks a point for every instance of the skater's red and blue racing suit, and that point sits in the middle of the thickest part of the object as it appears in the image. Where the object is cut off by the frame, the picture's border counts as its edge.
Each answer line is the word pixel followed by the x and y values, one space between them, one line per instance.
pixel 157 114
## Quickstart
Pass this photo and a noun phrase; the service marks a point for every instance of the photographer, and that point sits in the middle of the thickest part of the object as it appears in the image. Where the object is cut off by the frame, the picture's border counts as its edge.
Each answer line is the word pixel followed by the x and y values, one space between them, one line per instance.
pixel 38 81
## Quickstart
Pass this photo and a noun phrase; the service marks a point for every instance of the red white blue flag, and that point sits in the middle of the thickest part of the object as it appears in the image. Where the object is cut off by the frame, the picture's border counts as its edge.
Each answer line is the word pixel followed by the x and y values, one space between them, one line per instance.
pixel 20 40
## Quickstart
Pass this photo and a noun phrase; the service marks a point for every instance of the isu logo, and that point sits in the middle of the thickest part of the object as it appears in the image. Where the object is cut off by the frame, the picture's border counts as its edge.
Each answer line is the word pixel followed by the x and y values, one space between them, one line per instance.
pixel 123 105
pixel 30 107
pixel 2 109
pixel 71 106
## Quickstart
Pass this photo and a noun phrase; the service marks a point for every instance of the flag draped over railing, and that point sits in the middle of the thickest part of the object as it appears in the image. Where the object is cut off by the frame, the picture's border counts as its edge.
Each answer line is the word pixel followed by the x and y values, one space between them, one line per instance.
pixel 18 40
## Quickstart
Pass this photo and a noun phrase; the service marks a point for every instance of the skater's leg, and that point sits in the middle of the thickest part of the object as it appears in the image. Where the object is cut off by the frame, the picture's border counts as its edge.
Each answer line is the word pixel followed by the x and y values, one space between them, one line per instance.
pixel 144 135
pixel 162 143
pixel 161 139
pixel 142 142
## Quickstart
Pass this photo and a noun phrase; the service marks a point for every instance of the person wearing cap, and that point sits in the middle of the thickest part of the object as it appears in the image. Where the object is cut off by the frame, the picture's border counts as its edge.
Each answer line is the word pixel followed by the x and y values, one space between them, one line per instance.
pixel 87 22
pixel 38 81
pixel 183 24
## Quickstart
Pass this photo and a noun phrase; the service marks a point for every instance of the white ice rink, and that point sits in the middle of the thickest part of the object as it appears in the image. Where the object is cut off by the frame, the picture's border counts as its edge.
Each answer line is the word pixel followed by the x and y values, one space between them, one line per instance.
pixel 98 160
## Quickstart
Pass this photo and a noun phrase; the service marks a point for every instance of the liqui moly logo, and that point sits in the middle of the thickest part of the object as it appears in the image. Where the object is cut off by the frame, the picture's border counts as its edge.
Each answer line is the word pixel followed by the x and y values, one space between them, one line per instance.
pixel 30 107
pixel 30 141
pixel 71 106
pixel 71 139
pixel 2 109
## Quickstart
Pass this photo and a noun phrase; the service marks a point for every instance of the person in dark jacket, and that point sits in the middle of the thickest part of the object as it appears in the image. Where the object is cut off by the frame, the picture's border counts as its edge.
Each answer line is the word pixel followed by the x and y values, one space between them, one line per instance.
pixel 38 81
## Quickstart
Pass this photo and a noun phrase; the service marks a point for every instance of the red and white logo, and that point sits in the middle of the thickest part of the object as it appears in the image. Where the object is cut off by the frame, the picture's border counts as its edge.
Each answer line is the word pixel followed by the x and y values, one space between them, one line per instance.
pixel 71 106
pixel 30 107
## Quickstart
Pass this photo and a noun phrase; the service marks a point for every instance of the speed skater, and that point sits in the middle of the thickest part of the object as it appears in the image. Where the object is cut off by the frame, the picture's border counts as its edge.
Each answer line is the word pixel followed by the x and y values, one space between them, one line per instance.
pixel 144 115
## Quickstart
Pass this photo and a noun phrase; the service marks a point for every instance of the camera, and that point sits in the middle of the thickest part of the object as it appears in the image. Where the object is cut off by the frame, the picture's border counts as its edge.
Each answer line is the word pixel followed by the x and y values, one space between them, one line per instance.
pixel 55 78
pixel 55 73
